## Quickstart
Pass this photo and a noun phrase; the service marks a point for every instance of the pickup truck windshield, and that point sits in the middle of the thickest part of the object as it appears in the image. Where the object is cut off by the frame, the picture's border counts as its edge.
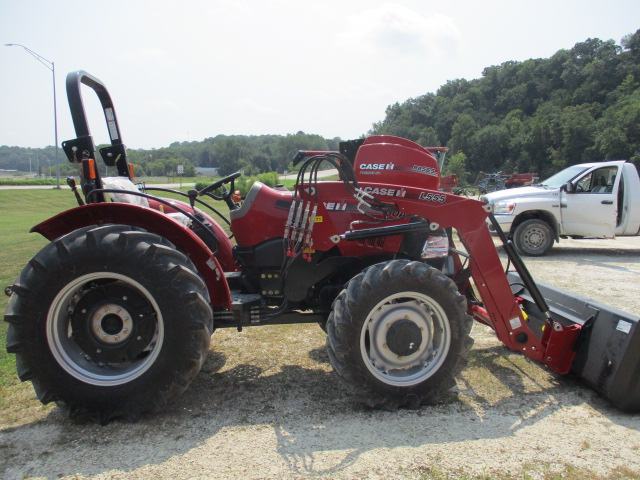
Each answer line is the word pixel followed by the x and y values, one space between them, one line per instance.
pixel 560 178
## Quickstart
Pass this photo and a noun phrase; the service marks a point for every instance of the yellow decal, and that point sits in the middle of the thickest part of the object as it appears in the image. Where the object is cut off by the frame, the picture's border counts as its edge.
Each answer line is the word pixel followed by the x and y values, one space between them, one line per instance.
pixel 318 219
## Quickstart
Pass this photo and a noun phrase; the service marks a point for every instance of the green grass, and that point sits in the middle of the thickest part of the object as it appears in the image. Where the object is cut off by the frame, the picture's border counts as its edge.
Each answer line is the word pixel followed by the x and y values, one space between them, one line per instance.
pixel 27 181
pixel 19 211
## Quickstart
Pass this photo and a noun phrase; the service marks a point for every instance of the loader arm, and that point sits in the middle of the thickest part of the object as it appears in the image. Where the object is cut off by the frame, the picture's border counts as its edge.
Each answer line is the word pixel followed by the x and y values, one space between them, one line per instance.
pixel 567 333
pixel 499 307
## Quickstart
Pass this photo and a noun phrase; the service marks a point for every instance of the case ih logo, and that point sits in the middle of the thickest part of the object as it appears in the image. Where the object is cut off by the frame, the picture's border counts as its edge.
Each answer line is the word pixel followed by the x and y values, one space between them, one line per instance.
pixel 376 166
pixel 389 192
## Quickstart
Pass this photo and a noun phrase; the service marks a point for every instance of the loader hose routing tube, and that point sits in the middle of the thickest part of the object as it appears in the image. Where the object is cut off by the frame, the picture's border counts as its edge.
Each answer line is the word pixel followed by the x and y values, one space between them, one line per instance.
pixel 385 231
pixel 522 270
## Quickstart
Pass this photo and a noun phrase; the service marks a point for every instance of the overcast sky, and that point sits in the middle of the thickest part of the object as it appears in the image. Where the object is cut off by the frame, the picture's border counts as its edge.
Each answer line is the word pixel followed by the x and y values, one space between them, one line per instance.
pixel 191 69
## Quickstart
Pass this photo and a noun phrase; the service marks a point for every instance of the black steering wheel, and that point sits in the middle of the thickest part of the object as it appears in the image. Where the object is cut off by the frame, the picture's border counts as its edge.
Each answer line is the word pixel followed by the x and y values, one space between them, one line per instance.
pixel 226 195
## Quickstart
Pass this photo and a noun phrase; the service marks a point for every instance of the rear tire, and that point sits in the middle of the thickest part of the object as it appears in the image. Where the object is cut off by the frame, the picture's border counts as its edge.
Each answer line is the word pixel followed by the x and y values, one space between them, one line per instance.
pixel 399 334
pixel 109 321
pixel 533 237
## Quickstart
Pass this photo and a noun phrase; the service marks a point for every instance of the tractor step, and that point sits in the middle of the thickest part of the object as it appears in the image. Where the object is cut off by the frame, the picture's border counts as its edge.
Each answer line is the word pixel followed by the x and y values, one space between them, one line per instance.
pixel 245 310
pixel 245 307
pixel 608 347
pixel 234 280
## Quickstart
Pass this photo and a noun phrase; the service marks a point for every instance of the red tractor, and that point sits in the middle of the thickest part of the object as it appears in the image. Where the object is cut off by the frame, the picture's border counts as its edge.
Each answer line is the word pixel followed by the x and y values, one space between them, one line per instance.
pixel 515 180
pixel 114 316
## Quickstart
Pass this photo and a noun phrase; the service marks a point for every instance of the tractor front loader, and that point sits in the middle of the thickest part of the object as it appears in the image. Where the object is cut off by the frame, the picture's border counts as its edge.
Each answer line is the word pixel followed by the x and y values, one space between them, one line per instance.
pixel 114 316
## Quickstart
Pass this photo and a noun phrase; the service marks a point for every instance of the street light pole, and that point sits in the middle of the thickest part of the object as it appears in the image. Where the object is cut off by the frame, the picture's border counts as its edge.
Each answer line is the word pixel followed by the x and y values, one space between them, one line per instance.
pixel 51 66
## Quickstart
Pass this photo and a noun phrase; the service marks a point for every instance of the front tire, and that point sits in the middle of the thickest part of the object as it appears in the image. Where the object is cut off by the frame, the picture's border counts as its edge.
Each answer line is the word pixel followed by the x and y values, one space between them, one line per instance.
pixel 533 237
pixel 399 334
pixel 109 321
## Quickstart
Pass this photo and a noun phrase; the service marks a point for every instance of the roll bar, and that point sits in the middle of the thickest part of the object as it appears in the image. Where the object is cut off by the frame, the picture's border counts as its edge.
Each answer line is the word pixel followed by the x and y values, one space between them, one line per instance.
pixel 83 147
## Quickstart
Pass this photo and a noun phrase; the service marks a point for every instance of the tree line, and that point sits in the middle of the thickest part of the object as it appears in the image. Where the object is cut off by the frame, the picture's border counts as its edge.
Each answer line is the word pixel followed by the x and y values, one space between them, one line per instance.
pixel 252 154
pixel 539 115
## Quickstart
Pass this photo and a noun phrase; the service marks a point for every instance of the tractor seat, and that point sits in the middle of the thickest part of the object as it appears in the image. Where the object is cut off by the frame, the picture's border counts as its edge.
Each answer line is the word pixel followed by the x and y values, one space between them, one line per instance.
pixel 124 184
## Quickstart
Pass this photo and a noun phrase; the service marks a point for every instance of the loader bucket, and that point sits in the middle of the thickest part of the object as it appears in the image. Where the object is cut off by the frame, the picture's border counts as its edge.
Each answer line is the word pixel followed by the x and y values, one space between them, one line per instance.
pixel 607 348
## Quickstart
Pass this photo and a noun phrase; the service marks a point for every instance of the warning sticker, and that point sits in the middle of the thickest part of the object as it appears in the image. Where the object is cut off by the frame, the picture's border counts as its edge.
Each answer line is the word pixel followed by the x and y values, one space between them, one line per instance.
pixel 515 323
pixel 624 326
pixel 111 123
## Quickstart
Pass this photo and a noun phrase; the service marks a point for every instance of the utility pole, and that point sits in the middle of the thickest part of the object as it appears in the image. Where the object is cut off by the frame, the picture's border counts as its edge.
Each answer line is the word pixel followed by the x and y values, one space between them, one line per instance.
pixel 51 66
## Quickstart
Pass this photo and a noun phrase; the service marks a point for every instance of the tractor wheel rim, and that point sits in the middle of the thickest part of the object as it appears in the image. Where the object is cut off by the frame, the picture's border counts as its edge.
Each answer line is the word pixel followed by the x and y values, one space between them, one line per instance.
pixel 111 332
pixel 405 339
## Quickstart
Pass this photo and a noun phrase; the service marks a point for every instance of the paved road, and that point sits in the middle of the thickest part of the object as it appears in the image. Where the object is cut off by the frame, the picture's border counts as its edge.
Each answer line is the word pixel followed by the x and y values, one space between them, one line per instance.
pixel 30 187
pixel 321 174
pixel 64 186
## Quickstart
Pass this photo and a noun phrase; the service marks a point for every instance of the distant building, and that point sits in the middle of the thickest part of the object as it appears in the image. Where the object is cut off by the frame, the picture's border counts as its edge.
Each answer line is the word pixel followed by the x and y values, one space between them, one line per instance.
pixel 207 172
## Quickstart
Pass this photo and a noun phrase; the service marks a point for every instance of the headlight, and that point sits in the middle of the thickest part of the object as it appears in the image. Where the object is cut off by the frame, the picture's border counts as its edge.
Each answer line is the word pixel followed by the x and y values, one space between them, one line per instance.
pixel 504 208
pixel 436 246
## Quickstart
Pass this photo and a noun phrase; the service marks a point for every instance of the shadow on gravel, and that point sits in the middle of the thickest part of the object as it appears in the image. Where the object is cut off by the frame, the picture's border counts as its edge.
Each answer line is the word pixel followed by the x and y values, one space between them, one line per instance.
pixel 617 254
pixel 569 253
pixel 619 260
pixel 297 419
pixel 563 253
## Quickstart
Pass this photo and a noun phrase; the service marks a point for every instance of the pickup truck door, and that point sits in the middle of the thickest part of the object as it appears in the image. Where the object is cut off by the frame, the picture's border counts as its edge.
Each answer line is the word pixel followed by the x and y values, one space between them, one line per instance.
pixel 590 209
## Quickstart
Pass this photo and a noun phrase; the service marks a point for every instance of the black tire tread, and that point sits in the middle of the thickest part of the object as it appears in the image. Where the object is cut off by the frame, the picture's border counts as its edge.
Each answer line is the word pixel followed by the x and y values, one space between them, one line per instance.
pixel 341 345
pixel 519 245
pixel 24 318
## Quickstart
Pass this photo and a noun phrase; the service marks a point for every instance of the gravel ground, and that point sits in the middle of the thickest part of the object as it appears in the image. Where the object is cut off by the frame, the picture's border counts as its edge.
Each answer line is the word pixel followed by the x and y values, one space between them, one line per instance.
pixel 266 405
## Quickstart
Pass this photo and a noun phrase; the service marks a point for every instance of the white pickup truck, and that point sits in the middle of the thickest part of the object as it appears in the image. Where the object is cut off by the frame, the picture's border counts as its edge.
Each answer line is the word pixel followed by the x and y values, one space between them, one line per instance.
pixel 596 200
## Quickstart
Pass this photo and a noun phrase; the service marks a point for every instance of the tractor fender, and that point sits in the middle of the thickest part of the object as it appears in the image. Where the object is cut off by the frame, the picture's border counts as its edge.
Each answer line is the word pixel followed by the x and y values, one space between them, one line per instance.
pixel 224 255
pixel 153 221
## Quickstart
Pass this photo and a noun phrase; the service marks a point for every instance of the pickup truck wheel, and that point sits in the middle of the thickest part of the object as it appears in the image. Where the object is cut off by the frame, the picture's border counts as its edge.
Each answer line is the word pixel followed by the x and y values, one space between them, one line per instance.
pixel 399 334
pixel 109 322
pixel 533 237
